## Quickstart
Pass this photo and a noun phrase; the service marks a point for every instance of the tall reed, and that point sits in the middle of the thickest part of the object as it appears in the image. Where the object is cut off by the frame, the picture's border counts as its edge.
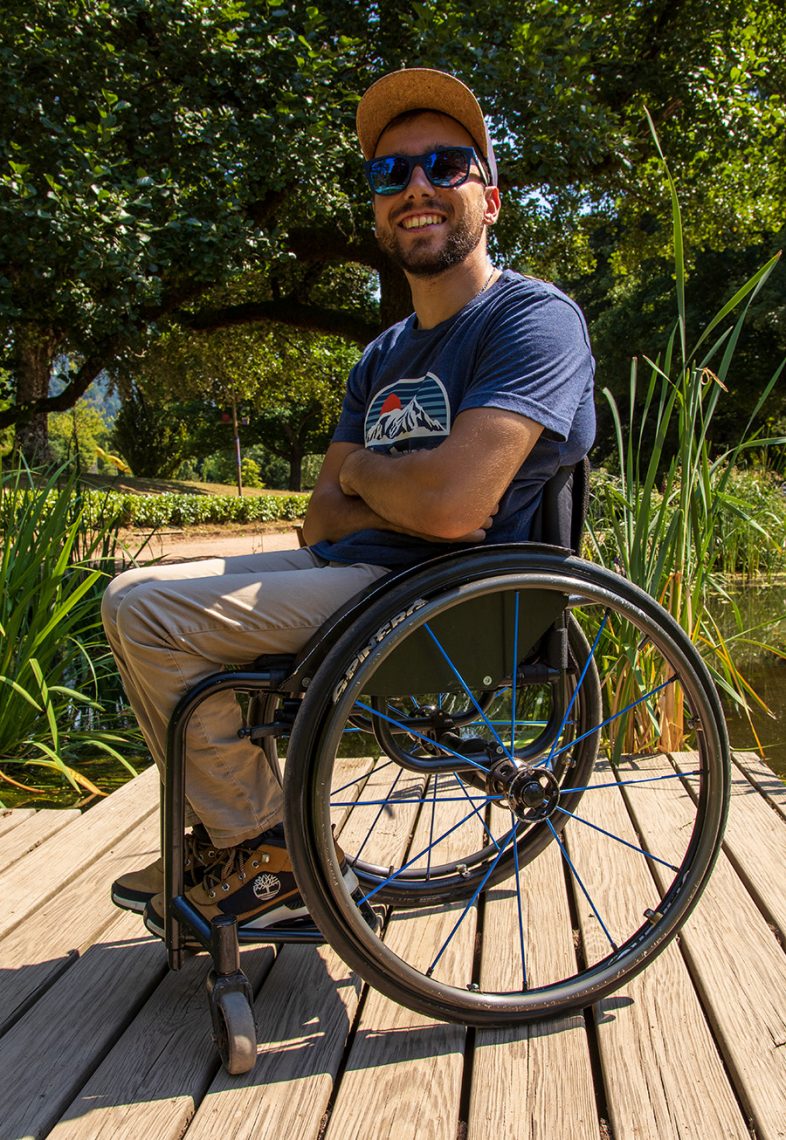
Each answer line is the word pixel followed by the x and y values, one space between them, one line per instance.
pixel 666 512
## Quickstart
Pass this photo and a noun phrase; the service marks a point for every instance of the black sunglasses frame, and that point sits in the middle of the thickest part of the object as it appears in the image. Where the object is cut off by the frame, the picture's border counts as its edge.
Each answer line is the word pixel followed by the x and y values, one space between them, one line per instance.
pixel 426 163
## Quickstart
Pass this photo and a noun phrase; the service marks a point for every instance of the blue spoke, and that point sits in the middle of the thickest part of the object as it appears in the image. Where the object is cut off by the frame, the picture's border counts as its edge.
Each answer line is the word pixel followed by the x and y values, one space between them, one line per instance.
pixel 515 673
pixel 481 800
pixel 466 689
pixel 578 879
pixel 577 689
pixel 395 874
pixel 521 913
pixel 419 736
pixel 627 783
pixel 474 799
pixel 431 825
pixel 616 716
pixel 471 902
pixel 618 839
pixel 363 776
pixel 385 802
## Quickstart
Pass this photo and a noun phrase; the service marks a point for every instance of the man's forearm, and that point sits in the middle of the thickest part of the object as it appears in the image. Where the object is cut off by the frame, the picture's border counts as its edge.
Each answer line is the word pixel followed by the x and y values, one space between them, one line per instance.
pixel 407 491
pixel 332 515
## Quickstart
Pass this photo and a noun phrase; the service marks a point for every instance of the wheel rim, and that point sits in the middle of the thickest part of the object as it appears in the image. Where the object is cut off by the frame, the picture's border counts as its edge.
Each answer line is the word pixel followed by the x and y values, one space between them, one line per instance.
pixel 612 935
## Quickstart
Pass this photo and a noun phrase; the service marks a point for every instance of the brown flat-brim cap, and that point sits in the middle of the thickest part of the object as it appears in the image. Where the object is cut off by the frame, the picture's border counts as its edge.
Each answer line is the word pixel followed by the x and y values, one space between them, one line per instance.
pixel 421 88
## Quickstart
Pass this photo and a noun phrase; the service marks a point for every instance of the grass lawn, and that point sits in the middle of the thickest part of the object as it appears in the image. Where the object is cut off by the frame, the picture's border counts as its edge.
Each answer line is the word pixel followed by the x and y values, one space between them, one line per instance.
pixel 136 486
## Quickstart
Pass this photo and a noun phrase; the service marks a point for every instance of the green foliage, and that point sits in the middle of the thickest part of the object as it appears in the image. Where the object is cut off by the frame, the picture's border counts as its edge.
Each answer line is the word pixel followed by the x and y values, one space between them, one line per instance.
pixel 55 667
pixel 154 435
pixel 153 150
pixel 250 475
pixel 173 509
pixel 287 389
pixel 78 435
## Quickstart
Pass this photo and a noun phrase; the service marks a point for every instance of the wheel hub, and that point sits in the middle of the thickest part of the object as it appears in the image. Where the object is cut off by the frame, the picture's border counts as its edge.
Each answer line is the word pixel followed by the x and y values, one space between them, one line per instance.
pixel 531 793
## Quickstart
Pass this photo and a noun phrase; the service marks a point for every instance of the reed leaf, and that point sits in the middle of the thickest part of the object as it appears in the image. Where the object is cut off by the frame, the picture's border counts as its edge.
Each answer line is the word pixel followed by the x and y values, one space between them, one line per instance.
pixel 57 676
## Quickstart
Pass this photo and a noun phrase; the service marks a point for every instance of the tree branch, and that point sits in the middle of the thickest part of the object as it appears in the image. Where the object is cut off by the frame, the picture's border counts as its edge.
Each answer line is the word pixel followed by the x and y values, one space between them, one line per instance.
pixel 321 243
pixel 83 378
pixel 284 311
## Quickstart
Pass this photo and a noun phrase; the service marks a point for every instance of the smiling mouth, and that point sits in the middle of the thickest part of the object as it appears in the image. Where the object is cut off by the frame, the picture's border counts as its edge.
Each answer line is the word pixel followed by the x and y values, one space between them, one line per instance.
pixel 421 221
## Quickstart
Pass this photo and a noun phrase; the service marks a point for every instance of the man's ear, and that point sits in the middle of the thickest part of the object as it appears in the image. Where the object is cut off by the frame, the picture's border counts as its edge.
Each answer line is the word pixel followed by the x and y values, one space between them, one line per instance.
pixel 491 212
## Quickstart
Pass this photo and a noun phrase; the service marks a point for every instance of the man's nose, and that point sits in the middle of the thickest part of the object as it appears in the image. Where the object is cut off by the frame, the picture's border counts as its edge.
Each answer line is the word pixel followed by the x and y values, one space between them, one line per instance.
pixel 418 181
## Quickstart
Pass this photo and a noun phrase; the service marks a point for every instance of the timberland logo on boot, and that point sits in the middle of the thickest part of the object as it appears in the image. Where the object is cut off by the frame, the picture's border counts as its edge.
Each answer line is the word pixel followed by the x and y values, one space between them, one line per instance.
pixel 266 886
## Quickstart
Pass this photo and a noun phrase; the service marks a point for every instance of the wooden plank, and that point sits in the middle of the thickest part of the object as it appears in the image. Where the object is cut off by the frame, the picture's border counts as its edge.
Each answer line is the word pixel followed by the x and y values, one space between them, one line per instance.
pixel 762 777
pixel 161 1067
pixel 737 966
pixel 46 1057
pixel 45 823
pixel 755 841
pixel 533 1082
pixel 42 873
pixel 404 1066
pixel 12 817
pixel 50 940
pixel 128 1096
pixel 652 1032
pixel 304 1013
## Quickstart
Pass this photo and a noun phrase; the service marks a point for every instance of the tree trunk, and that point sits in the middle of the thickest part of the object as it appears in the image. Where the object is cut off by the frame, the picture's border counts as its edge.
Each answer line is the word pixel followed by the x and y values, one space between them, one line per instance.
pixel 295 471
pixel 34 350
pixel 395 301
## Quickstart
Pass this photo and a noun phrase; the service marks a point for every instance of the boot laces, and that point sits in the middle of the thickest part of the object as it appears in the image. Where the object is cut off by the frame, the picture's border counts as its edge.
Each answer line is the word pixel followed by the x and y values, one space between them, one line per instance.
pixel 233 863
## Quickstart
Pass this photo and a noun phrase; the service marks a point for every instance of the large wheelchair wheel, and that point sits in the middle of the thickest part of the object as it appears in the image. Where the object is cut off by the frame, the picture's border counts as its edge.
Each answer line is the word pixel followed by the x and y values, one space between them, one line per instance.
pixel 577 659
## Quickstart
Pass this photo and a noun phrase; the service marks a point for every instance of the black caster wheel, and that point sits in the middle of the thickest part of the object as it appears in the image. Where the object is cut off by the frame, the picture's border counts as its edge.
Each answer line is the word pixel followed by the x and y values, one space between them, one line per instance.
pixel 234 1031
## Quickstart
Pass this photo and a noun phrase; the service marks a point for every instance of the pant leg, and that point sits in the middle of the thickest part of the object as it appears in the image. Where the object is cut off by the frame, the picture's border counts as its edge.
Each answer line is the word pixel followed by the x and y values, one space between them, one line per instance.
pixel 169 626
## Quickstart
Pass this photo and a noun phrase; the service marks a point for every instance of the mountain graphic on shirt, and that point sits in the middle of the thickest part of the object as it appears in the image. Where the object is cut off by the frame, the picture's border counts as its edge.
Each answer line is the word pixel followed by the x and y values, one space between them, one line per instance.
pixel 400 422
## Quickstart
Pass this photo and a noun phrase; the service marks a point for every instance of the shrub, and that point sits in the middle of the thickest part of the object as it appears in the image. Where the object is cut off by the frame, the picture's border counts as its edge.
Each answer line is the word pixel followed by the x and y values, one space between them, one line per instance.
pixel 57 676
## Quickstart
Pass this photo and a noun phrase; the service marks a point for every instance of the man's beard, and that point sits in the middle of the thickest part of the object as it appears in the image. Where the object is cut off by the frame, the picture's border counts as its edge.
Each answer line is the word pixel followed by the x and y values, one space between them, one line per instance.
pixel 420 261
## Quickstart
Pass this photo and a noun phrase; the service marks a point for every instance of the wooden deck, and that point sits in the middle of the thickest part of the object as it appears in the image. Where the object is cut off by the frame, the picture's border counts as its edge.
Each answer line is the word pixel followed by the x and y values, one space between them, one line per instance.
pixel 99 1039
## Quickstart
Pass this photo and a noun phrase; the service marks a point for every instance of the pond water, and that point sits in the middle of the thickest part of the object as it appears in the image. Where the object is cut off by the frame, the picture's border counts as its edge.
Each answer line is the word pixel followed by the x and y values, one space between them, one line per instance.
pixel 763 608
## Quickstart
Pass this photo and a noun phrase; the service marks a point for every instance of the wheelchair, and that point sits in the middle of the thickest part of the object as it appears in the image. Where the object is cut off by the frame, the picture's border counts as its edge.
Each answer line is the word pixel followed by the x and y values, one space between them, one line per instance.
pixel 505 742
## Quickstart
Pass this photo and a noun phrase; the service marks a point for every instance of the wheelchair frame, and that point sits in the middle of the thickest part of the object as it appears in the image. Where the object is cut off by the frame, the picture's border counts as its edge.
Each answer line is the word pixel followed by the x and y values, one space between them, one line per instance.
pixel 376 644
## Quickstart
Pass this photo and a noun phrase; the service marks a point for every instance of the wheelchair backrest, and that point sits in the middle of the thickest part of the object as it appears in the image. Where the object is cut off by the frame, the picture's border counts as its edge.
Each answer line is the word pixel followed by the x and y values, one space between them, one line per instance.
pixel 560 518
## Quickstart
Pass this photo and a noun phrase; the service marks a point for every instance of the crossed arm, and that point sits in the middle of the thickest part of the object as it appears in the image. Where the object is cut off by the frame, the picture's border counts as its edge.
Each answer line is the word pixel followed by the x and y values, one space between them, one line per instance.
pixel 449 493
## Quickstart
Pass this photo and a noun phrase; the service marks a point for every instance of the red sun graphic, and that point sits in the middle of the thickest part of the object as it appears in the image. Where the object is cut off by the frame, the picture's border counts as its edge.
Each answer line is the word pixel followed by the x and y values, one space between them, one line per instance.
pixel 391 404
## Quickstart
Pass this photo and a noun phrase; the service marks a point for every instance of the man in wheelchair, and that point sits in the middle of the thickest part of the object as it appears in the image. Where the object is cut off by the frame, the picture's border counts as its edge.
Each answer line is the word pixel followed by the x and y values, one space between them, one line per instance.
pixel 453 421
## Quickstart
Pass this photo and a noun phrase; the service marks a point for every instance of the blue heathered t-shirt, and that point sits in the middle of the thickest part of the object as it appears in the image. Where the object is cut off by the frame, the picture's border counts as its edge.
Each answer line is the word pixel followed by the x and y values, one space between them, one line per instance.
pixel 522 346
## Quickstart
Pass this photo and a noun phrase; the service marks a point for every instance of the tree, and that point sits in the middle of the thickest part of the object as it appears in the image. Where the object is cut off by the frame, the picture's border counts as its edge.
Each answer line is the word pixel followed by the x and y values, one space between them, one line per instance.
pixel 146 145
pixel 287 385
pixel 155 436
pixel 155 149
pixel 78 434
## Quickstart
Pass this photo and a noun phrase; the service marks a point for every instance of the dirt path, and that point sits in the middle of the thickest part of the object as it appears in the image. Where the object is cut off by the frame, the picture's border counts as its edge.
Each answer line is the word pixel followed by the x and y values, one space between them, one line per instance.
pixel 189 543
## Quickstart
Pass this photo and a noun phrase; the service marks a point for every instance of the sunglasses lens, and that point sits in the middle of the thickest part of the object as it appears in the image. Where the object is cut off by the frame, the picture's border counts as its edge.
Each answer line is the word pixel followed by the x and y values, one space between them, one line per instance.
pixel 390 174
pixel 448 167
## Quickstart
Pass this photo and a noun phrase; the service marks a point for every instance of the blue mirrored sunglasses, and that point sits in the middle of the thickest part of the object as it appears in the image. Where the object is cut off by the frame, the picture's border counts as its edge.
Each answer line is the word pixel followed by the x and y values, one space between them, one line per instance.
pixel 447 167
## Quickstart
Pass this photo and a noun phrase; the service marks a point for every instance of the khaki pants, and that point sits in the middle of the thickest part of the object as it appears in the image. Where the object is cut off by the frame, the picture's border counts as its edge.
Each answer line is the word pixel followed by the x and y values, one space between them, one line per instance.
pixel 169 626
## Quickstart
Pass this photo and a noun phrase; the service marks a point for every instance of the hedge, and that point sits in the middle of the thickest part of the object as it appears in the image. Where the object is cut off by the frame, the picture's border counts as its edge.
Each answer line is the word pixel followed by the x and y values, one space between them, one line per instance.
pixel 107 508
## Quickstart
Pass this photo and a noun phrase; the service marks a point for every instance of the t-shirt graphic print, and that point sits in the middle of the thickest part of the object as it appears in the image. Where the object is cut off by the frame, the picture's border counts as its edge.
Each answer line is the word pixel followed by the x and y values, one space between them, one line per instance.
pixel 407 413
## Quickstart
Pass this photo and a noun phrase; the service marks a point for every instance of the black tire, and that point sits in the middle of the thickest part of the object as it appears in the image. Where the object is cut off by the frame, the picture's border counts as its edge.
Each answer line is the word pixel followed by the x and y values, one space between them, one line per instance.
pixel 633 642
pixel 234 1031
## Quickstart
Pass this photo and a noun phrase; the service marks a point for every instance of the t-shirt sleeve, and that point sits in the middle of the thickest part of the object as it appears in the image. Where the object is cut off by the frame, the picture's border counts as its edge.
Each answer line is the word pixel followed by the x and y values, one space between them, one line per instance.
pixel 350 423
pixel 534 359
